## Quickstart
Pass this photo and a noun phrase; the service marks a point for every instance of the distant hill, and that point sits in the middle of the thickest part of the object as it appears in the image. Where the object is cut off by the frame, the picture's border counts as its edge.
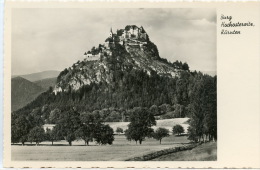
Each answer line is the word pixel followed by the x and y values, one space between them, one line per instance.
pixel 40 75
pixel 23 92
pixel 46 83
pixel 211 73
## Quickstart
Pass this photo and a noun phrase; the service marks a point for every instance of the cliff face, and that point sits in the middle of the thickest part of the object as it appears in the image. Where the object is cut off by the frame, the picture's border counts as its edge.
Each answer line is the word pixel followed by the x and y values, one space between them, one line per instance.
pixel 125 50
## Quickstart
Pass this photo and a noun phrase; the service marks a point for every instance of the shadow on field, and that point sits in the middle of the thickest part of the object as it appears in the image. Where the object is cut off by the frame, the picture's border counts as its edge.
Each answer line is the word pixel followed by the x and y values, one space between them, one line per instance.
pixel 181 135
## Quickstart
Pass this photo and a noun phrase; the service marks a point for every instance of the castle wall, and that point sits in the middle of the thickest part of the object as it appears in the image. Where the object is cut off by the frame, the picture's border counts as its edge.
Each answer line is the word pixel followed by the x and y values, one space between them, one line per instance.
pixel 130 37
pixel 143 35
pixel 92 57
pixel 136 32
pixel 57 89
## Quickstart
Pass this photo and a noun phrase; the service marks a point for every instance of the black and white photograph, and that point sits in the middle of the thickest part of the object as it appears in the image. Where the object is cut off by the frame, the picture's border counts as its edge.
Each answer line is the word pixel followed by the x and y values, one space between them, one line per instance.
pixel 114 84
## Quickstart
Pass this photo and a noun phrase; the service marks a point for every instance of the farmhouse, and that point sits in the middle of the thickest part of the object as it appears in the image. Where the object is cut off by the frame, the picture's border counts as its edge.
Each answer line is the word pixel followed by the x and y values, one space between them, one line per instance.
pixel 57 89
pixel 48 126
pixel 90 57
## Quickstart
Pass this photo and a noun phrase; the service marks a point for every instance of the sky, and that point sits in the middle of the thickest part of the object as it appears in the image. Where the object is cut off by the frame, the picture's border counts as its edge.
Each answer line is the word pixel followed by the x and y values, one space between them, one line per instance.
pixel 53 39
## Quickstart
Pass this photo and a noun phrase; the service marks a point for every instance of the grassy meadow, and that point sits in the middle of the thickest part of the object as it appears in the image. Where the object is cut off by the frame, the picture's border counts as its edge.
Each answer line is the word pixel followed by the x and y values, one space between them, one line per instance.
pixel 120 150
pixel 165 123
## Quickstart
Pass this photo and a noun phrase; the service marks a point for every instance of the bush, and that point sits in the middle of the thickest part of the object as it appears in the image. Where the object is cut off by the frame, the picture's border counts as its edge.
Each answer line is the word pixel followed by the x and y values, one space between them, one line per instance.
pixel 177 129
pixel 119 130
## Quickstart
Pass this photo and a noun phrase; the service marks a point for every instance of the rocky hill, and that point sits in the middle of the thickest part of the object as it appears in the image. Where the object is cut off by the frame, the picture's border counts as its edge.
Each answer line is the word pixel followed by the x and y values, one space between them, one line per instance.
pixel 120 52
pixel 123 72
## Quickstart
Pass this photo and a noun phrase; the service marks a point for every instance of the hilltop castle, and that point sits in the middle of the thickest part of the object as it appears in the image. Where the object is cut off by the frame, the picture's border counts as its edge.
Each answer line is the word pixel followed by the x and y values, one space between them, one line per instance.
pixel 130 36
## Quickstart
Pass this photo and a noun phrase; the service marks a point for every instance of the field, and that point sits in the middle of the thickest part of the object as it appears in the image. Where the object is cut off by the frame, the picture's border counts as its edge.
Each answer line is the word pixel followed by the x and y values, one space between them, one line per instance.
pixel 165 123
pixel 204 152
pixel 120 150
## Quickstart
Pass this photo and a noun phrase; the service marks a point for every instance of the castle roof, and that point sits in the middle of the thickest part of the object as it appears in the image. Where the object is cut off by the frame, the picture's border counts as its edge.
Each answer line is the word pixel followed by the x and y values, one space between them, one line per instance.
pixel 109 39
pixel 120 32
pixel 142 29
pixel 128 27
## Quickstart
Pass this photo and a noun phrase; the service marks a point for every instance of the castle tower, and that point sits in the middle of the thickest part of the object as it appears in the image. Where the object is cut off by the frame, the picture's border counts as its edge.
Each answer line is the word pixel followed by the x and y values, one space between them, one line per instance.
pixel 111 33
pixel 143 33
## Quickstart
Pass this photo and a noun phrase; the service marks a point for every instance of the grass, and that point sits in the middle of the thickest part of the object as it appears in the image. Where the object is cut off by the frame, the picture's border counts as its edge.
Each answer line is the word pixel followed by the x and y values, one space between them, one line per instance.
pixel 120 150
pixel 204 152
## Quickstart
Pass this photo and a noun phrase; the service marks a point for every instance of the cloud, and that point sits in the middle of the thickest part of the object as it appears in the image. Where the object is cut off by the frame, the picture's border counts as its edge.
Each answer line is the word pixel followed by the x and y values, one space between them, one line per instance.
pixel 49 39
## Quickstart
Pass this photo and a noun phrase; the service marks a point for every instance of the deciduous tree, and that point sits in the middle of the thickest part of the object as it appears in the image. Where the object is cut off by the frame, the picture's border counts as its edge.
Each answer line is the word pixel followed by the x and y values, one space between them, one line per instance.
pixel 20 127
pixel 141 121
pixel 177 129
pixel 68 124
pixel 36 135
pixel 53 135
pixel 160 133
pixel 104 134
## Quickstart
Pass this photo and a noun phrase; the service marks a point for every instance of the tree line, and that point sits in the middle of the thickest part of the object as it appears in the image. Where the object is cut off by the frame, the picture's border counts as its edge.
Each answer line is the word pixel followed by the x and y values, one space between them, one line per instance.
pixel 70 125
pixel 128 90
pixel 88 126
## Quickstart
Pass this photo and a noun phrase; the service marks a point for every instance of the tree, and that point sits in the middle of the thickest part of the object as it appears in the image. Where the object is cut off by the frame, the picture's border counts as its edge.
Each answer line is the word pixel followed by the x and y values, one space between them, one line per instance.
pixel 20 127
pixel 210 109
pixel 119 130
pixel 36 117
pixel 179 111
pixel 141 121
pixel 154 110
pixel 90 122
pixel 164 108
pixel 203 109
pixel 68 124
pixel 48 135
pixel 177 129
pixel 55 115
pixel 91 127
pixel 160 133
pixel 104 134
pixel 192 134
pixel 127 135
pixel 185 66
pixel 36 135
pixel 53 135
pixel 85 132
